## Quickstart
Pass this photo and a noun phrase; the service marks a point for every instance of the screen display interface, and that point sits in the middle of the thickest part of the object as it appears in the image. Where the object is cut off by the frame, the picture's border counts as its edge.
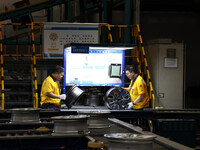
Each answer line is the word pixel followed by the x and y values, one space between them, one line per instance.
pixel 92 69
pixel 115 70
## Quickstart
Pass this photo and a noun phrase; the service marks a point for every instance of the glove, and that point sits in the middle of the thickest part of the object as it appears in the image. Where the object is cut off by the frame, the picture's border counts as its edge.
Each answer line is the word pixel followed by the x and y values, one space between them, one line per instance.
pixel 130 105
pixel 63 96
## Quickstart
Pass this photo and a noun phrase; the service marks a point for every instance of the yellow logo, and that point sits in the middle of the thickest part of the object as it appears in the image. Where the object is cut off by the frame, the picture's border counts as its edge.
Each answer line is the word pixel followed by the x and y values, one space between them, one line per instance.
pixel 53 37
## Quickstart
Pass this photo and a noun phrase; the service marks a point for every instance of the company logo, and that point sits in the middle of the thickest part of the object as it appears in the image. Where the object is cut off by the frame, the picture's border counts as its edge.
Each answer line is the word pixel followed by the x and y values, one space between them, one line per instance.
pixel 53 37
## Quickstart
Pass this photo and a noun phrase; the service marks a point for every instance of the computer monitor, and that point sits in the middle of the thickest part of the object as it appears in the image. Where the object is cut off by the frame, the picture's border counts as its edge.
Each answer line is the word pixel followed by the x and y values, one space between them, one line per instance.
pixel 115 71
pixel 89 66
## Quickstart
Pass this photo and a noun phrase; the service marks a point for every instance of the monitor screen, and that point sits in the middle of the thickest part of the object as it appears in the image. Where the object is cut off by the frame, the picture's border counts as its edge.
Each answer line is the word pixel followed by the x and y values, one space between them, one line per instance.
pixel 115 71
pixel 91 68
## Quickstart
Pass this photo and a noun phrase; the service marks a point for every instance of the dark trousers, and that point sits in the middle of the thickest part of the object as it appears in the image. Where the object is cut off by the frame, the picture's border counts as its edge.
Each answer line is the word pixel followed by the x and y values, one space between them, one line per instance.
pixel 50 106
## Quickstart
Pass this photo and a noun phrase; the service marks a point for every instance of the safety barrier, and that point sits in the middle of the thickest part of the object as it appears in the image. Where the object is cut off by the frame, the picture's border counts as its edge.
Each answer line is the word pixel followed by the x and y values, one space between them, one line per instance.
pixel 143 67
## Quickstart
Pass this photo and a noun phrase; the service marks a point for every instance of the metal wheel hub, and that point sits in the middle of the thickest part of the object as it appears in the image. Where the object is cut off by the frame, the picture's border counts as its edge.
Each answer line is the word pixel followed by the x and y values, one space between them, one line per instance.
pixel 117 98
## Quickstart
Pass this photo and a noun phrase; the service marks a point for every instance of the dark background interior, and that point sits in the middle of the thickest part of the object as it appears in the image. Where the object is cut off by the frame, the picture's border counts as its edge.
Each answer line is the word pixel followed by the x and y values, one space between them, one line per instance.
pixel 178 20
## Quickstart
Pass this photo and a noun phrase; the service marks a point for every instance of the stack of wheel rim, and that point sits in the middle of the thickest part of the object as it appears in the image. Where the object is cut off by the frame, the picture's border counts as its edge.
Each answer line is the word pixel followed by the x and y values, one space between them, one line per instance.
pixel 72 124
pixel 25 115
pixel 127 141
pixel 98 118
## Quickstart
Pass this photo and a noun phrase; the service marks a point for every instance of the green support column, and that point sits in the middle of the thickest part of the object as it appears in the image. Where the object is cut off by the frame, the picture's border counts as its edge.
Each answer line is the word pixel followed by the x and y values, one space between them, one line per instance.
pixel 104 29
pixel 50 14
pixel 128 21
pixel 105 11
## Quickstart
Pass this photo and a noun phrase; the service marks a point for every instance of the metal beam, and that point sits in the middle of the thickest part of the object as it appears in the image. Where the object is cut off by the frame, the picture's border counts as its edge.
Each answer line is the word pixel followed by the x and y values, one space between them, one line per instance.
pixel 30 8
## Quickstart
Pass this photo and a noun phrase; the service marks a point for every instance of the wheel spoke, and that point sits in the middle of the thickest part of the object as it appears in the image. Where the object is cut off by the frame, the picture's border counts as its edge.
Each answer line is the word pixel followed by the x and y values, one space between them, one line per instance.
pixel 117 98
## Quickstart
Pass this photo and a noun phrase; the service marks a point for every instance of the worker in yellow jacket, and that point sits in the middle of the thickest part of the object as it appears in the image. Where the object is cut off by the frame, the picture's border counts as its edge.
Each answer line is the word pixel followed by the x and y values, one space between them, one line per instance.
pixel 137 89
pixel 51 92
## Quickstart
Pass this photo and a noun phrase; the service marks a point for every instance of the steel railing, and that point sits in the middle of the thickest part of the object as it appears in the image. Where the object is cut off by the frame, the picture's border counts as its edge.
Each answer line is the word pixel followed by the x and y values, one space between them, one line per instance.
pixel 106 31
pixel 31 52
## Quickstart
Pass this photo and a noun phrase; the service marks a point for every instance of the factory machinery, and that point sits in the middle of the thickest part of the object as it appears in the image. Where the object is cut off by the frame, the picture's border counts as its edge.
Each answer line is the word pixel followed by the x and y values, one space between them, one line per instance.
pixel 80 128
pixel 110 126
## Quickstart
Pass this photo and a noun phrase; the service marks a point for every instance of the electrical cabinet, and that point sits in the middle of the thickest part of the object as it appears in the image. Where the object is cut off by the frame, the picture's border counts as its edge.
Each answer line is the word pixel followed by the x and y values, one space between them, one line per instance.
pixel 166 63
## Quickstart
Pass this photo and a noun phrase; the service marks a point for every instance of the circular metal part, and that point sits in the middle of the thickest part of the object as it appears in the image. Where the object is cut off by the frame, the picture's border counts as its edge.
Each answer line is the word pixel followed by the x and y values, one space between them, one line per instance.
pixel 73 124
pixel 94 99
pixel 73 95
pixel 25 115
pixel 98 118
pixel 117 98
pixel 126 141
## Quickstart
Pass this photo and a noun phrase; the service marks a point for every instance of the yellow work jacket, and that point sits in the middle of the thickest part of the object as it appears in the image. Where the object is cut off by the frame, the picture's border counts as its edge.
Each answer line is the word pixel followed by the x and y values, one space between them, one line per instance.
pixel 50 85
pixel 137 88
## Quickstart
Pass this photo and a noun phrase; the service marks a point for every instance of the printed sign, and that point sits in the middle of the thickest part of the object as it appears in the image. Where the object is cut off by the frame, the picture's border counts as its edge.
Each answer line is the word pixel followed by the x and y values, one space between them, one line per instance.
pixel 56 35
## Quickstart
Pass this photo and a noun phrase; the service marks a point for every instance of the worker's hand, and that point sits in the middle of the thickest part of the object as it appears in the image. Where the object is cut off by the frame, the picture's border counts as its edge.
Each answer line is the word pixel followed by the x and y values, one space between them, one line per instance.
pixel 63 96
pixel 130 105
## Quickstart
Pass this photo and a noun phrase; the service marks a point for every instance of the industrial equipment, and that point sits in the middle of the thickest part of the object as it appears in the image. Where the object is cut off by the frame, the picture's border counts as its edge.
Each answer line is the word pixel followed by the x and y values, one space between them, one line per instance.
pixel 59 130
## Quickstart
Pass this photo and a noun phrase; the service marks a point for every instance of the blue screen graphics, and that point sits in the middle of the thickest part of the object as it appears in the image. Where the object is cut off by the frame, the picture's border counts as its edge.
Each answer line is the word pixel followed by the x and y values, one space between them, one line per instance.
pixel 92 69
